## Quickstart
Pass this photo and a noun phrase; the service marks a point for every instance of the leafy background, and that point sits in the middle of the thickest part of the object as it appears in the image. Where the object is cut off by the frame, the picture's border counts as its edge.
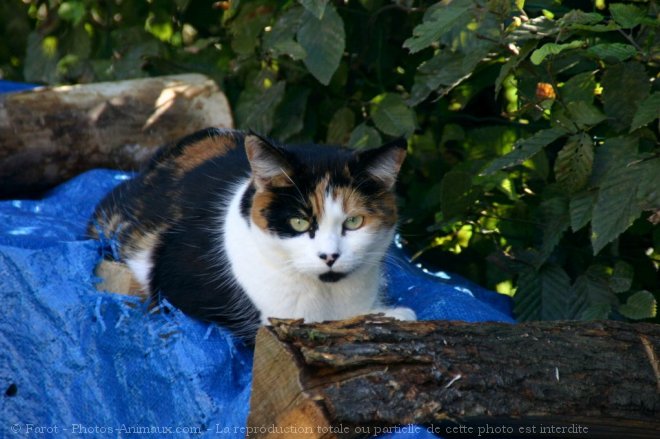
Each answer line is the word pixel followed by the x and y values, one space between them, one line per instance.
pixel 534 165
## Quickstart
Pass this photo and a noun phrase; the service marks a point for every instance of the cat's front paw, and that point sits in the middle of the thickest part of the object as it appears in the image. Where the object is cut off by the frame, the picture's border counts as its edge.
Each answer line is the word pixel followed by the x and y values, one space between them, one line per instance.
pixel 400 313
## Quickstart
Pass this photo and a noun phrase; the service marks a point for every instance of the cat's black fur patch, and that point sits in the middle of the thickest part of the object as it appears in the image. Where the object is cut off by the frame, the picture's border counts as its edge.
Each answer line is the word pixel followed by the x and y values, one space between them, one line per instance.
pixel 332 276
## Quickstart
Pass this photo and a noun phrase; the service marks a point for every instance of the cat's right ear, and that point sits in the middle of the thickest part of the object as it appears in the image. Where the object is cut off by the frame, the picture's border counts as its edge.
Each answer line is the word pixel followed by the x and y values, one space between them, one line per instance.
pixel 383 163
pixel 270 167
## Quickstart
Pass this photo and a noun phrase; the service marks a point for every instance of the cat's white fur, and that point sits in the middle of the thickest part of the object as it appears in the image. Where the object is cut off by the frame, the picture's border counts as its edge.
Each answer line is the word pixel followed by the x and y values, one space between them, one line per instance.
pixel 141 264
pixel 281 275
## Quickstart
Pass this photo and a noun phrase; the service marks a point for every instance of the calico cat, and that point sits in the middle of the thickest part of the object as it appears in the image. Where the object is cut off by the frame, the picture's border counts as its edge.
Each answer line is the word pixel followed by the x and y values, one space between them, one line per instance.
pixel 233 228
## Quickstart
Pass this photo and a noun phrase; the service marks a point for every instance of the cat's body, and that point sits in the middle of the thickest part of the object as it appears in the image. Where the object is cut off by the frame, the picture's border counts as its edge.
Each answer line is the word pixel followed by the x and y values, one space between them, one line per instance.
pixel 231 228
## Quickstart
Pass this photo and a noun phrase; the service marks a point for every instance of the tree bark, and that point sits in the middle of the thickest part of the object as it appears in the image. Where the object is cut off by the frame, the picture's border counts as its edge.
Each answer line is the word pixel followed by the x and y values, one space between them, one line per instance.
pixel 370 374
pixel 51 134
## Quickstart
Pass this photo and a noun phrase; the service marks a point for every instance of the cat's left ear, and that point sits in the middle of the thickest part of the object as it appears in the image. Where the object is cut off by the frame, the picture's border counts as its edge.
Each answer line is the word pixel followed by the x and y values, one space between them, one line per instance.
pixel 383 163
pixel 269 165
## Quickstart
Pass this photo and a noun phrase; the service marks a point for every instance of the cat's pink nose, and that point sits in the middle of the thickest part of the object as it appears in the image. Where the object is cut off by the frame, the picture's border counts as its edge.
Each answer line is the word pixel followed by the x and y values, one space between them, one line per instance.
pixel 329 259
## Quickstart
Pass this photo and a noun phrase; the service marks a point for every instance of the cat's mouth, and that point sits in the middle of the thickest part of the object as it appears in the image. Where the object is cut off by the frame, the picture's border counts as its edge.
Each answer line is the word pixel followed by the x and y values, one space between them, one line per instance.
pixel 332 276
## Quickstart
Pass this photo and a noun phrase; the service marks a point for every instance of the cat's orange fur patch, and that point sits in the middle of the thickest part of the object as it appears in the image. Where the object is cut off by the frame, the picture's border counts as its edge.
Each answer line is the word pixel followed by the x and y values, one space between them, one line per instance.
pixel 260 203
pixel 317 197
pixel 199 152
pixel 380 213
pixel 105 224
pixel 141 240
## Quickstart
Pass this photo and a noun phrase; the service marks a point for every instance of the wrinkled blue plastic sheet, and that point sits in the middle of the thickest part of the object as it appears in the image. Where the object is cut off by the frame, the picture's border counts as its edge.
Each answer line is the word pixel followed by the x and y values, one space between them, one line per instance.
pixel 11 86
pixel 75 361
pixel 85 360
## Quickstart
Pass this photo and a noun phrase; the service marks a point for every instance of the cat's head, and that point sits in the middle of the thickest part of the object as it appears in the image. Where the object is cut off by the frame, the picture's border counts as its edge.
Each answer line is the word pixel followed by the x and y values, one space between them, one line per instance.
pixel 324 211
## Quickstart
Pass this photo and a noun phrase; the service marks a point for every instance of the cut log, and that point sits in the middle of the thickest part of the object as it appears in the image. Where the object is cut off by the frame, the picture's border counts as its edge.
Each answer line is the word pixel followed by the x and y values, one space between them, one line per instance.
pixel 116 277
pixel 51 134
pixel 372 375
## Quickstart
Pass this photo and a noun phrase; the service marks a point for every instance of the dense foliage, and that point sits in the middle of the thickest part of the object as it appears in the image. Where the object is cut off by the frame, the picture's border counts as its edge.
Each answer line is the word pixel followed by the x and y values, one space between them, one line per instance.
pixel 534 161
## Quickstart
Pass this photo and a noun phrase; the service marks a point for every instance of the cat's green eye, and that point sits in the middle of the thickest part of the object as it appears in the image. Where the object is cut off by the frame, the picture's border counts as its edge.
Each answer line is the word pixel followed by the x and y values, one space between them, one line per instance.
pixel 300 225
pixel 354 222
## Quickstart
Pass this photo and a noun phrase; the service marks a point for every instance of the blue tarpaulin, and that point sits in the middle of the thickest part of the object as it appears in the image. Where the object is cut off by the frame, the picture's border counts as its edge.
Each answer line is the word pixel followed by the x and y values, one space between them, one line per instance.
pixel 76 361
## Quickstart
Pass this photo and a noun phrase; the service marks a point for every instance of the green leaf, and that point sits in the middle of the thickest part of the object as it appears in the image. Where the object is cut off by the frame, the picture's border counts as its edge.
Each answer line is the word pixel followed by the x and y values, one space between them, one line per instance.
pixel 280 39
pixel 527 301
pixel 616 205
pixel 641 305
pixel 315 7
pixel 289 115
pixel 513 63
pixel 364 136
pixel 648 192
pixel 579 88
pixel 614 152
pixel 627 15
pixel 324 41
pixel 612 51
pixel 340 126
pixel 257 104
pixel 549 49
pixel 584 114
pixel 434 26
pixel 73 11
pixel 506 186
pixel 556 220
pixel 392 116
pixel 598 311
pixel 447 69
pixel 69 66
pixel 133 45
pixel 647 111
pixel 457 195
pixel 247 26
pixel 561 118
pixel 576 16
pixel 580 208
pixel 77 42
pixel 499 7
pixel 625 86
pixel 524 149
pixel 593 296
pixel 622 277
pixel 596 28
pixel 290 48
pixel 543 294
pixel 41 59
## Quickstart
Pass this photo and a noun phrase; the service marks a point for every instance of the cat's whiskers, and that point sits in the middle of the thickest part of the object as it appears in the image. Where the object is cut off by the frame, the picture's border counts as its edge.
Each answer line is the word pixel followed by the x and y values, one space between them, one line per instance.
pixel 302 197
